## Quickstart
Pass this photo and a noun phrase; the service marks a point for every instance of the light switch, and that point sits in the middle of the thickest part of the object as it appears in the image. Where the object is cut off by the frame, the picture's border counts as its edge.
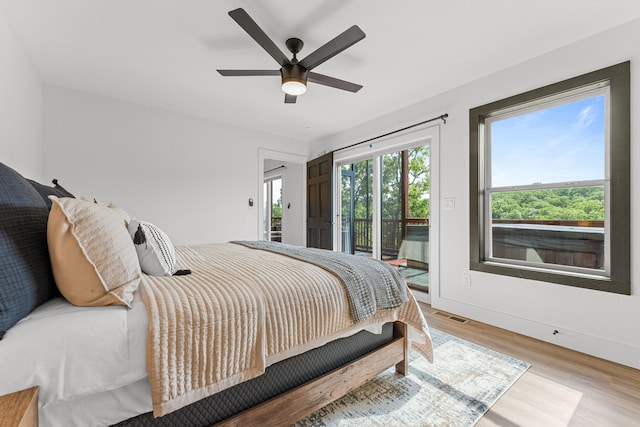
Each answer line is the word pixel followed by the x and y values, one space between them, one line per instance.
pixel 449 203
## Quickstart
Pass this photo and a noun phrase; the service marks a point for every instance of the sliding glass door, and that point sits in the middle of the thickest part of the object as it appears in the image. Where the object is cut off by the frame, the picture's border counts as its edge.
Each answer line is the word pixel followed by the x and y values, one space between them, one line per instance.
pixel 384 210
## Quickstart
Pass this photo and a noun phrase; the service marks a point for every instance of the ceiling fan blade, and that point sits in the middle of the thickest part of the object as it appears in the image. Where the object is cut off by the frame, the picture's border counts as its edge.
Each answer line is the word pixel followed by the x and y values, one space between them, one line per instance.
pixel 290 99
pixel 333 82
pixel 249 25
pixel 235 73
pixel 333 47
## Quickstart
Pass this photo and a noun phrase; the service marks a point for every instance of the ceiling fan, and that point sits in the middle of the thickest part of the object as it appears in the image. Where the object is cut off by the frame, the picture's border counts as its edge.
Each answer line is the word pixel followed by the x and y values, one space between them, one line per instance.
pixel 295 74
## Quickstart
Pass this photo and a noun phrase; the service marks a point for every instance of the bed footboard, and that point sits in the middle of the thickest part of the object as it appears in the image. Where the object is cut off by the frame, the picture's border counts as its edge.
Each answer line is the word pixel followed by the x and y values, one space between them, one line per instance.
pixel 320 376
pixel 303 400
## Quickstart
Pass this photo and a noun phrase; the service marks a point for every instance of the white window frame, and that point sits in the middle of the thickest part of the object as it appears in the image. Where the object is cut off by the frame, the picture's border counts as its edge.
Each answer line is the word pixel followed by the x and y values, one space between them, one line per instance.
pixel 596 90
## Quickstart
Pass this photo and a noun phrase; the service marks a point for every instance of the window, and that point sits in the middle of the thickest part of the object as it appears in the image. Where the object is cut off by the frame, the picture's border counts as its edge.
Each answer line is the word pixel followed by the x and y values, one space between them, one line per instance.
pixel 549 183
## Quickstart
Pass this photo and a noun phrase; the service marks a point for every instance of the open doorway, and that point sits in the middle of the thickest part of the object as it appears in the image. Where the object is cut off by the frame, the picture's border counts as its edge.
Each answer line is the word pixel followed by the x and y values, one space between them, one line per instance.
pixel 273 208
pixel 281 197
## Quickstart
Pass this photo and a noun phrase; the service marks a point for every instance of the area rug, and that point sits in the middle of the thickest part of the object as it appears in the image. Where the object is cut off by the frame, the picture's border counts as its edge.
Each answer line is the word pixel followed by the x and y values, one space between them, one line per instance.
pixel 461 385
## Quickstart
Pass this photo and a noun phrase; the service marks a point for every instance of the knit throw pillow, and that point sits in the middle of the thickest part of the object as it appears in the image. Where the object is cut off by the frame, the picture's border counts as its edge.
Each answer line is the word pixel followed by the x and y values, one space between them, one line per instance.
pixel 155 251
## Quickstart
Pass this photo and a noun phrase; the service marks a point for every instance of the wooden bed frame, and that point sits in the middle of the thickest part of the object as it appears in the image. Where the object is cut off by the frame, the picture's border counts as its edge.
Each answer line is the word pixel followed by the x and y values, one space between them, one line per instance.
pixel 296 404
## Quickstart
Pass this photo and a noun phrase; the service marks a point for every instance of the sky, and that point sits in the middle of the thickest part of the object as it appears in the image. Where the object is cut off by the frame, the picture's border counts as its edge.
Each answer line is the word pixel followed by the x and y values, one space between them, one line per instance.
pixel 558 144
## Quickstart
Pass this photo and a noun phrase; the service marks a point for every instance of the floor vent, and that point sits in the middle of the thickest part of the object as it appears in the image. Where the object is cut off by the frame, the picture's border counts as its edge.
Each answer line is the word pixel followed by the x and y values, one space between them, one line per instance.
pixel 451 317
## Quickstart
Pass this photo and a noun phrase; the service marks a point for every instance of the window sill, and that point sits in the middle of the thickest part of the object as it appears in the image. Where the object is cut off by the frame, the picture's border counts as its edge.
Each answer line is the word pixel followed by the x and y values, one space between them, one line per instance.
pixel 581 280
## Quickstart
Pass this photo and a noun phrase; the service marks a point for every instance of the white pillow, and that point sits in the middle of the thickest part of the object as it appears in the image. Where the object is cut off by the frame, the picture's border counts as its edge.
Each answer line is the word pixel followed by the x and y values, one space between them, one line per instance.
pixel 93 260
pixel 155 251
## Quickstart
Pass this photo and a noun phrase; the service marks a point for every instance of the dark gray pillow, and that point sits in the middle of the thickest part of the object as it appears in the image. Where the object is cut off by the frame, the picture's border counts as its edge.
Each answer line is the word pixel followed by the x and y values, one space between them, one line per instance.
pixel 25 269
pixel 45 191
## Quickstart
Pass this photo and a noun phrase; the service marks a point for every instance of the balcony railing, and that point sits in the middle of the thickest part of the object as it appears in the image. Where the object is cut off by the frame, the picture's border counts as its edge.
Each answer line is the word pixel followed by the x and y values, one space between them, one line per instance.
pixel 276 229
pixel 573 243
pixel 276 223
pixel 392 234
pixel 570 243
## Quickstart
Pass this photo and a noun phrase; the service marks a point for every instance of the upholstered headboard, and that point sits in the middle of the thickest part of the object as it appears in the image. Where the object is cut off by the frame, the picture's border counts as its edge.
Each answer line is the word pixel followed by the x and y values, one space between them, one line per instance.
pixel 26 280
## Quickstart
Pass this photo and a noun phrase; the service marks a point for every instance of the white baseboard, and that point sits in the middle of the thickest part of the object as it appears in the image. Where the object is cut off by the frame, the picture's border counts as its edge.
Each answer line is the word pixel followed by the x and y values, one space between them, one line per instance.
pixel 584 343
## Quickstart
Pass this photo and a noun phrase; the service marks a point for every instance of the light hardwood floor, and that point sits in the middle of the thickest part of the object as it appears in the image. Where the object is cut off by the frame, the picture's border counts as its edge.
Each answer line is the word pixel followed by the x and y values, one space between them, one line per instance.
pixel 562 388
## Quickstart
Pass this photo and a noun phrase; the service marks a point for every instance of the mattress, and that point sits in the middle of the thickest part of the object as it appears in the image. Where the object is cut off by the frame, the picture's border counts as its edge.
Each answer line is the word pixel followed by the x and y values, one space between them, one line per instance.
pixel 97 355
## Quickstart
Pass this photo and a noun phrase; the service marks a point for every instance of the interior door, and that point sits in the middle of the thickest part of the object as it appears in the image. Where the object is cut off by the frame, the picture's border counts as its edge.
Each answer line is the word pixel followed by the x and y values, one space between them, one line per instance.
pixel 319 202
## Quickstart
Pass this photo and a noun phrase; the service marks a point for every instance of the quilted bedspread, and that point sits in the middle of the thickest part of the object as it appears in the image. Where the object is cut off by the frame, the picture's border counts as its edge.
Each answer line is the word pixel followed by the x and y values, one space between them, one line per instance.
pixel 370 284
pixel 239 311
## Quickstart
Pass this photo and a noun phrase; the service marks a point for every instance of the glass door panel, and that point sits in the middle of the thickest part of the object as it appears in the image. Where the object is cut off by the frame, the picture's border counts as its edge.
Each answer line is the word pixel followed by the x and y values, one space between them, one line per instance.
pixel 404 202
pixel 415 246
pixel 357 207
pixel 392 203
pixel 347 209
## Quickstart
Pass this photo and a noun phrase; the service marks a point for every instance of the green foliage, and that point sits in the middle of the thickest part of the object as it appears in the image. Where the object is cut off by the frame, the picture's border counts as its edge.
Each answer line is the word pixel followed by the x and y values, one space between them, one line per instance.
pixel 391 189
pixel 362 188
pixel 419 182
pixel 418 179
pixel 276 206
pixel 276 211
pixel 579 203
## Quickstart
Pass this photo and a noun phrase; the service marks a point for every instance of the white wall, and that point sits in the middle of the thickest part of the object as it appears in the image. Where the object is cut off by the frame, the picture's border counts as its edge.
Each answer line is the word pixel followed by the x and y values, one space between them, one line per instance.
pixel 598 323
pixel 20 108
pixel 190 177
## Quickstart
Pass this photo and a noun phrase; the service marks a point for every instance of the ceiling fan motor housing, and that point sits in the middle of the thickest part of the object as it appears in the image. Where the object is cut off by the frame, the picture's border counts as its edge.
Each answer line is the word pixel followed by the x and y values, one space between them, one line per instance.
pixel 294 73
pixel 294 45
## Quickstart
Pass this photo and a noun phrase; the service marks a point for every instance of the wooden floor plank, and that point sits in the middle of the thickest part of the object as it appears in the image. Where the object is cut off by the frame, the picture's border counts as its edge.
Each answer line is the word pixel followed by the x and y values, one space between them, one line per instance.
pixel 562 388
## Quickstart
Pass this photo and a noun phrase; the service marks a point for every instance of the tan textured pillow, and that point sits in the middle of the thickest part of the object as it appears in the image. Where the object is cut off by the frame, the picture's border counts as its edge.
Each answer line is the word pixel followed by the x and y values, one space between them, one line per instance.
pixel 124 215
pixel 117 209
pixel 93 258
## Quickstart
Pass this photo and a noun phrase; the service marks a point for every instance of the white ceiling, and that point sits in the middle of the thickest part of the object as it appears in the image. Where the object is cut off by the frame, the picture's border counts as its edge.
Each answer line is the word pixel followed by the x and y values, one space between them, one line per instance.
pixel 164 53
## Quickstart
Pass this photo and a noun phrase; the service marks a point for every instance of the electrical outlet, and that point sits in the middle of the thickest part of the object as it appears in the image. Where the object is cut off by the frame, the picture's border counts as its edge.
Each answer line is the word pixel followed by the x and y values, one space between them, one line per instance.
pixel 466 280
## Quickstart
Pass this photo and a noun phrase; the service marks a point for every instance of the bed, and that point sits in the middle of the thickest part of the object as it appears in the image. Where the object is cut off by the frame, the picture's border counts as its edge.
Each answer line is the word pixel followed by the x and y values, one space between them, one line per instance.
pixel 277 332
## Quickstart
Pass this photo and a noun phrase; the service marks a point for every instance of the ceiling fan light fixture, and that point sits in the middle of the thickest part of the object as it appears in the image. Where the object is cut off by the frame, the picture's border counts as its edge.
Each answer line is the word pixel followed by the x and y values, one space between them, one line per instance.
pixel 293 87
pixel 294 79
